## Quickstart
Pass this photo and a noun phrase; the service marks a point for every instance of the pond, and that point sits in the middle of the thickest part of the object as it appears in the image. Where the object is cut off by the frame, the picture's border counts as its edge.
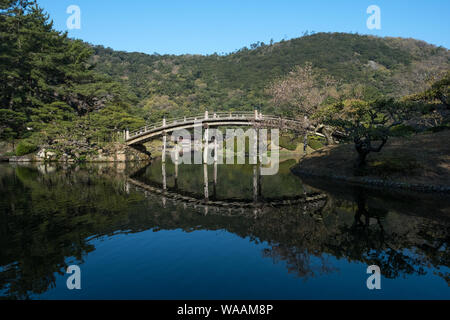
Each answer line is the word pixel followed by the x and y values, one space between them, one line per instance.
pixel 161 231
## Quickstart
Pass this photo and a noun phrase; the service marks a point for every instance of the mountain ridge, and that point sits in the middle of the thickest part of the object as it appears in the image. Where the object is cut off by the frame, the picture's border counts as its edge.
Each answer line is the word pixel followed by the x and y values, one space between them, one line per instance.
pixel 383 65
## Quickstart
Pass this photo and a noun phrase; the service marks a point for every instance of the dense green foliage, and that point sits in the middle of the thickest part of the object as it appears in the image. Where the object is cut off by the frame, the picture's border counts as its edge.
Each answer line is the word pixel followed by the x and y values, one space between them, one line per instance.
pixel 48 86
pixel 25 147
pixel 288 142
pixel 168 84
pixel 316 142
pixel 440 90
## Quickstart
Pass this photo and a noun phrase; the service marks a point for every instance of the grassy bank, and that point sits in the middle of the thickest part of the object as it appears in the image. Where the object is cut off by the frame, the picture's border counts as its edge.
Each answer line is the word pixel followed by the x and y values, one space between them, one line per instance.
pixel 418 161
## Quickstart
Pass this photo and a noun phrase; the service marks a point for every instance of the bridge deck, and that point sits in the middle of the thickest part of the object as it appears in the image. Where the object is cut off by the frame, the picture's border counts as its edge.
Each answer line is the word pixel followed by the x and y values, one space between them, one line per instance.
pixel 149 132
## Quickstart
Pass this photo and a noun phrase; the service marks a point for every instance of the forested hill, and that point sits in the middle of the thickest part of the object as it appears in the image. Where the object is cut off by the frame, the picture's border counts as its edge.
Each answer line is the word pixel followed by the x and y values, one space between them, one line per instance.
pixel 189 83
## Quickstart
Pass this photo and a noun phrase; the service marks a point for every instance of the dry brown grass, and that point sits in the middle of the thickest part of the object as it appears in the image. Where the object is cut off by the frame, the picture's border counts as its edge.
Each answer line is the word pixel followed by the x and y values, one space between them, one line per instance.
pixel 423 159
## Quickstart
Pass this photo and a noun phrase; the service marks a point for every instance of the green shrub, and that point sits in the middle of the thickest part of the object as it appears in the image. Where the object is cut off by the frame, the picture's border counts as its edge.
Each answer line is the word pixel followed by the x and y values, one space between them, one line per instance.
pixel 402 131
pixel 288 143
pixel 25 147
pixel 316 142
pixel 82 159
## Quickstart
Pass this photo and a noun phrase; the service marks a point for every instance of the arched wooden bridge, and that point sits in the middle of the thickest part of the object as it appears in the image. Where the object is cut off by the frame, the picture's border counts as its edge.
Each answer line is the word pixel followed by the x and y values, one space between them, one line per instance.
pixel 255 119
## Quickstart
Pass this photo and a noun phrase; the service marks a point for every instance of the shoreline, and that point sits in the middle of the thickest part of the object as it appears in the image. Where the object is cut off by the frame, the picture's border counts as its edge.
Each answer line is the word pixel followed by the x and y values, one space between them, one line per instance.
pixel 11 160
pixel 32 158
pixel 365 181
pixel 375 183
pixel 419 163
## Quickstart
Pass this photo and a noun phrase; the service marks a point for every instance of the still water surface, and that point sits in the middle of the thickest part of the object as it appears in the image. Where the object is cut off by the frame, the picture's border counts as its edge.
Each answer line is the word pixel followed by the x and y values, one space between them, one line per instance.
pixel 147 232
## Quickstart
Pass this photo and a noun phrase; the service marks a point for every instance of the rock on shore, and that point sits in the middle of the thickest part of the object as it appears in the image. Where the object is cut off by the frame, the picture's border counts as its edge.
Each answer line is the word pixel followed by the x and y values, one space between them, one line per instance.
pixel 115 152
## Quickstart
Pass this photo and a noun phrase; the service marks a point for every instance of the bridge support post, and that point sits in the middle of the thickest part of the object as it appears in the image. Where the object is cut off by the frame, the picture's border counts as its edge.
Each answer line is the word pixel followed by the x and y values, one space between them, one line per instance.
pixel 259 182
pixel 215 180
pixel 164 184
pixel 255 146
pixel 206 146
pixel 255 183
pixel 176 174
pixel 164 148
pixel 177 151
pixel 216 156
pixel 262 146
pixel 205 178
pixel 177 158
pixel 164 179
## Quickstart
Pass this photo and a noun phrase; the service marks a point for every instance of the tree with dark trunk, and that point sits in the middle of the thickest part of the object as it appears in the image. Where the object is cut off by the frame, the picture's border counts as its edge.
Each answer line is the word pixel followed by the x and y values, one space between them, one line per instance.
pixel 365 122
pixel 364 147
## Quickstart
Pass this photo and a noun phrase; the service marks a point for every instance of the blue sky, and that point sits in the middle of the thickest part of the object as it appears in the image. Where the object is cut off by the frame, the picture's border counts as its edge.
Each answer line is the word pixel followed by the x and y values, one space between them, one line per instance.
pixel 208 26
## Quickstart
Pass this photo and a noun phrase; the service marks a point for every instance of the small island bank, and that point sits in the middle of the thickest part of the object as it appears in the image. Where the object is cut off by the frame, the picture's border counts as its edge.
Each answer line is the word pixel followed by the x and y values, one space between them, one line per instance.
pixel 419 162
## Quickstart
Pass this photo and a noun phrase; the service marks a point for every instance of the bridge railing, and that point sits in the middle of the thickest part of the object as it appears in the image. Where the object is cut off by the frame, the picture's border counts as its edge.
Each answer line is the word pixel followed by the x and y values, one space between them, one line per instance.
pixel 211 116
pixel 202 117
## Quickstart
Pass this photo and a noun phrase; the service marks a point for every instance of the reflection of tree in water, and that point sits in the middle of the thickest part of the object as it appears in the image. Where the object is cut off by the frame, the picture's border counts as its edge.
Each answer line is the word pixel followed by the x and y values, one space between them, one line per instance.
pixel 47 220
pixel 415 251
pixel 435 249
pixel 397 253
pixel 294 235
pixel 367 241
pixel 299 261
pixel 400 247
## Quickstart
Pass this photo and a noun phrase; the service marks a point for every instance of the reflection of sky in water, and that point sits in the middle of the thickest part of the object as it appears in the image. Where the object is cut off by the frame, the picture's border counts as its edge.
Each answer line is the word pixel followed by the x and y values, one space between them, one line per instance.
pixel 221 265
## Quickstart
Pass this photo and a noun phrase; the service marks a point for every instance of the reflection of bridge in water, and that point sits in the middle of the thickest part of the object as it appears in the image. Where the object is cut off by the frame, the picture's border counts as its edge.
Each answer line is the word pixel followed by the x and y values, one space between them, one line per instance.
pixel 210 200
